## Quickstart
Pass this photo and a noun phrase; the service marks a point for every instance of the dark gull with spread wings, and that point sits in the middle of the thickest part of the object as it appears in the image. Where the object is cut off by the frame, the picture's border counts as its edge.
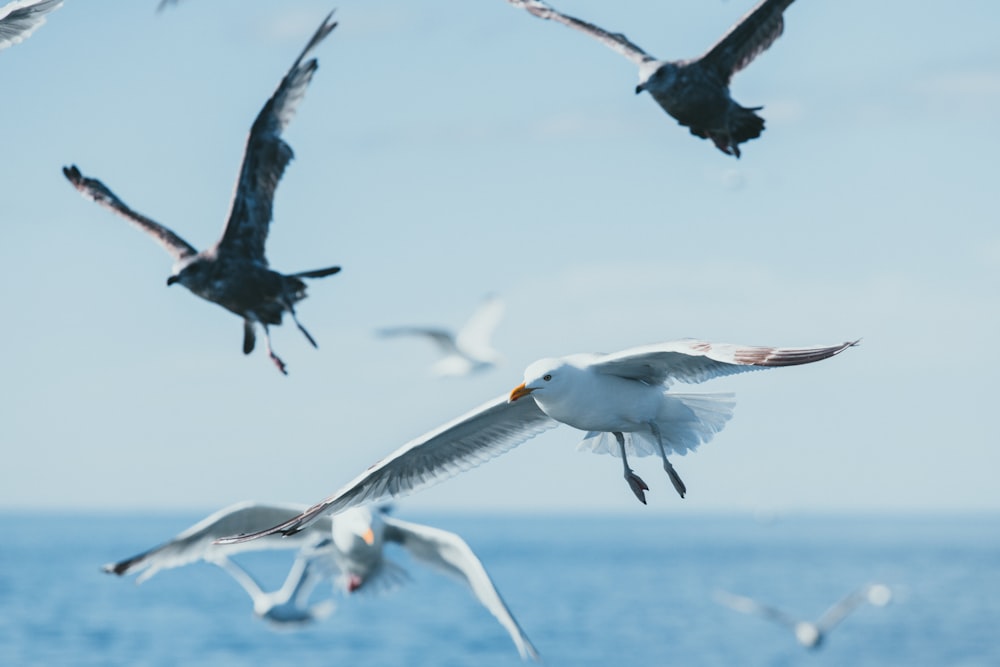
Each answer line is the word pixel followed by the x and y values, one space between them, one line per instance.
pixel 234 272
pixel 620 394
pixel 20 18
pixel 696 91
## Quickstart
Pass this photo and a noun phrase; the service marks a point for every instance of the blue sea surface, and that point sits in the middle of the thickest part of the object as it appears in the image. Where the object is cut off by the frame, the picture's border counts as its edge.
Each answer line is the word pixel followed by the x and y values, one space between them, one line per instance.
pixel 608 590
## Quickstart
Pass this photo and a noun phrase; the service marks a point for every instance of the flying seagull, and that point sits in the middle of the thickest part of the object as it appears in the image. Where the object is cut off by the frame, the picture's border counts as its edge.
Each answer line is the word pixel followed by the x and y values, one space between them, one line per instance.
pixel 20 18
pixel 347 548
pixel 620 394
pixel 470 349
pixel 695 92
pixel 807 633
pixel 289 605
pixel 360 535
pixel 286 606
pixel 234 272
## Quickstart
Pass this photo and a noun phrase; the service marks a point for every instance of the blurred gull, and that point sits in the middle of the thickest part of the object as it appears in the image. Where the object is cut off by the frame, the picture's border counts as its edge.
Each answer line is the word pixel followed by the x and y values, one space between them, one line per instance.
pixel 287 605
pixel 618 394
pixel 360 536
pixel 470 349
pixel 234 272
pixel 695 92
pixel 20 18
pixel 810 635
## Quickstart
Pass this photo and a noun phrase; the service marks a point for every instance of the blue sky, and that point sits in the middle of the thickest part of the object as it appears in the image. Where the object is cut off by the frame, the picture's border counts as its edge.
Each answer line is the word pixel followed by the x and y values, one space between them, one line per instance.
pixel 447 149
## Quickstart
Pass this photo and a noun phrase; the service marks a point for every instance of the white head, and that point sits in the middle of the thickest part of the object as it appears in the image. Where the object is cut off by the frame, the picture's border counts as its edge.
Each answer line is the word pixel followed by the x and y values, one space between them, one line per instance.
pixel 357 536
pixel 808 634
pixel 543 376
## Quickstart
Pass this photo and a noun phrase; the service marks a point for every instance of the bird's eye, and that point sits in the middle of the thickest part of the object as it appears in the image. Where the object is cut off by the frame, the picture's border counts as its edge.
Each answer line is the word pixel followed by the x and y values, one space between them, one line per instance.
pixel 546 377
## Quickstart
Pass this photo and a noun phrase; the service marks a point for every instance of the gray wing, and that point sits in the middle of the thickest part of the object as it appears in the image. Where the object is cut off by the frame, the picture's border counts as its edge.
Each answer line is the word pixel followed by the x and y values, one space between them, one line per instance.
pixel 876 594
pixel 474 438
pixel 476 335
pixel 94 190
pixel 266 157
pixel 196 542
pixel 440 337
pixel 748 38
pixel 20 18
pixel 747 605
pixel 449 553
pixel 614 40
pixel 692 360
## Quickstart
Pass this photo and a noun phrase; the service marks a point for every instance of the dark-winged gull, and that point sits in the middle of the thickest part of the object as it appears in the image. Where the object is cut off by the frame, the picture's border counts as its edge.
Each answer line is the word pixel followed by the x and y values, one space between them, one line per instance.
pixel 469 350
pixel 807 633
pixel 620 394
pixel 695 92
pixel 20 18
pixel 234 272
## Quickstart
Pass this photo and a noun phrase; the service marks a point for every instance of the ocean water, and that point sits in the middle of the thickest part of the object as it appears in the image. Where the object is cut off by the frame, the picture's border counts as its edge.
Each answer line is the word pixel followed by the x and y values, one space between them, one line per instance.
pixel 607 590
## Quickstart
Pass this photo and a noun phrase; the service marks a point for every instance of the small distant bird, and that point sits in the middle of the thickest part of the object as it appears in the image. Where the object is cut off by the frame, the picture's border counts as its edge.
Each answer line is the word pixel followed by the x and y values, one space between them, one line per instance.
pixel 468 351
pixel 20 18
pixel 810 635
pixel 695 92
pixel 234 272
pixel 619 394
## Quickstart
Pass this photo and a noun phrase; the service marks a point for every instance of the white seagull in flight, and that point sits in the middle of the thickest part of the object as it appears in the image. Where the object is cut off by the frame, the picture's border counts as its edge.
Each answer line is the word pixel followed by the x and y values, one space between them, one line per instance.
pixel 695 92
pixel 468 351
pixel 807 633
pixel 286 606
pixel 347 548
pixel 20 18
pixel 621 394
pixel 234 272
pixel 360 535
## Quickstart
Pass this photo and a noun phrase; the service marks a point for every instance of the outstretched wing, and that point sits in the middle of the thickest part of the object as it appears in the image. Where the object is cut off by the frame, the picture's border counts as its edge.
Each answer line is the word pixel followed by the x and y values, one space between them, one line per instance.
pixel 747 605
pixel 876 594
pixel 449 553
pixel 20 18
pixel 196 542
pixel 266 157
pixel 614 40
pixel 94 190
pixel 475 337
pixel 443 339
pixel 474 438
pixel 696 361
pixel 748 38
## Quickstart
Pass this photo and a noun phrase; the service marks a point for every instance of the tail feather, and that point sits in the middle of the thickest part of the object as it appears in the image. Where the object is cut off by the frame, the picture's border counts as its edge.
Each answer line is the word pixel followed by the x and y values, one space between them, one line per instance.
pixel 317 273
pixel 744 124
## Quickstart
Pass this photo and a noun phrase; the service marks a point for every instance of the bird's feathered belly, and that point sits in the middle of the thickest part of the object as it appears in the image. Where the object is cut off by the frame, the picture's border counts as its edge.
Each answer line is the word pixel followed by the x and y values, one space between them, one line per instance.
pixel 258 292
pixel 695 100
pixel 618 405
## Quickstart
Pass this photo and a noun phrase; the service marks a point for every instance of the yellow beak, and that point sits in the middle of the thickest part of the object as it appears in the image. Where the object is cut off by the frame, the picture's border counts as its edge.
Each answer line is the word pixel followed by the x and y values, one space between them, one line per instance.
pixel 520 391
pixel 369 537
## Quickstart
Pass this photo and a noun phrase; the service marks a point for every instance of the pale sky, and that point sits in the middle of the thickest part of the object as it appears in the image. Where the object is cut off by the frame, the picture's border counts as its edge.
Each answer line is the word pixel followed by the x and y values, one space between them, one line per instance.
pixel 448 149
